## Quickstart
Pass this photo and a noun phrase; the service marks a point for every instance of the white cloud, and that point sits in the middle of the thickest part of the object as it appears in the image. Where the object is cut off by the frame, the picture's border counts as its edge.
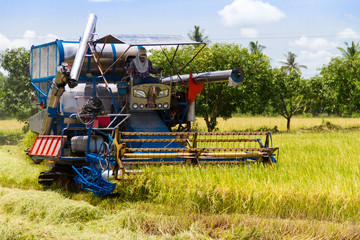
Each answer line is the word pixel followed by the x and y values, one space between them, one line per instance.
pixel 249 12
pixel 314 59
pixel 313 43
pixel 29 34
pixel 28 39
pixel 313 52
pixel 315 56
pixel 249 33
pixel 348 33
pixel 4 42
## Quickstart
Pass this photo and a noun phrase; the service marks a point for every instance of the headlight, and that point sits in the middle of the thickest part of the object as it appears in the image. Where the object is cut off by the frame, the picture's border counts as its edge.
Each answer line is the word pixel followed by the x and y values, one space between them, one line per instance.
pixel 159 105
pixel 139 93
pixel 166 105
pixel 163 93
pixel 141 106
pixel 135 106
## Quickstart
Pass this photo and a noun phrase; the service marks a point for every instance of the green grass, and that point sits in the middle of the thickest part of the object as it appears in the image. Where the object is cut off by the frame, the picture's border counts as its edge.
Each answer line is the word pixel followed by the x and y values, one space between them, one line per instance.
pixel 311 193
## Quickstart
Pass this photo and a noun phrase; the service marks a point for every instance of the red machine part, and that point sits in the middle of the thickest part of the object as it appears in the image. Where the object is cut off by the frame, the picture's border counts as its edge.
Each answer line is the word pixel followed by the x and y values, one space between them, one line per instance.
pixel 47 145
pixel 194 89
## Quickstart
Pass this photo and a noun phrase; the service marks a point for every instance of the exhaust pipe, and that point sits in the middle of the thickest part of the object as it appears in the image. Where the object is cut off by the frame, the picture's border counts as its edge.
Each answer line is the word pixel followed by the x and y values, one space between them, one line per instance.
pixel 81 51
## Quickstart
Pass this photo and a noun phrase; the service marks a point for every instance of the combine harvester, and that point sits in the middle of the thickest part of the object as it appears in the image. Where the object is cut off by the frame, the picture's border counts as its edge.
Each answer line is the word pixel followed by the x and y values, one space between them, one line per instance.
pixel 95 124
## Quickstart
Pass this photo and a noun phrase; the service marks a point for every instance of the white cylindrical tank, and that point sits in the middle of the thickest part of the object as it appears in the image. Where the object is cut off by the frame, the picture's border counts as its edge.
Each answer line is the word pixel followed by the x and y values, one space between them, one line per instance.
pixel 74 98
pixel 79 143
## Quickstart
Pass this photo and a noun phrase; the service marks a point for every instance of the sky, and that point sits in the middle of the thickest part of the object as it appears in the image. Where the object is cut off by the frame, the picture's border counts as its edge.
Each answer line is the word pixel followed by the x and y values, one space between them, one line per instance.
pixel 312 29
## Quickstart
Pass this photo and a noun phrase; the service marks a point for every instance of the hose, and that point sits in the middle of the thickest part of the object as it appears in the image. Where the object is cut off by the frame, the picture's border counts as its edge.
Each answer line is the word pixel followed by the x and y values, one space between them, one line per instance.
pixel 92 107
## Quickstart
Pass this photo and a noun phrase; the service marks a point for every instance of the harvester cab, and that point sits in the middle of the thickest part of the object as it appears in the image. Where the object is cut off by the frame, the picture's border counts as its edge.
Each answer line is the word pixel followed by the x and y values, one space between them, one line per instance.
pixel 95 123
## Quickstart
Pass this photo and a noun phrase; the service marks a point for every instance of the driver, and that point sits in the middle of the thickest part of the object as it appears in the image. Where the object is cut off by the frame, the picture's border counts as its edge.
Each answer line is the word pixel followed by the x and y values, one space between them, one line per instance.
pixel 140 67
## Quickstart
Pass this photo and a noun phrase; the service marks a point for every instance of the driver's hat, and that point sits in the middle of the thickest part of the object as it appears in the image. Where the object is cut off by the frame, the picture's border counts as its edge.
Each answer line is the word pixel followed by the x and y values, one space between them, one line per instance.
pixel 142 52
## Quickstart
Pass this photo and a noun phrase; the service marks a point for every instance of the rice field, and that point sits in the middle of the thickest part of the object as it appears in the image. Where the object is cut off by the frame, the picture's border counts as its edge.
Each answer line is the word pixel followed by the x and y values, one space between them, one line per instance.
pixel 10 125
pixel 10 131
pixel 240 123
pixel 311 193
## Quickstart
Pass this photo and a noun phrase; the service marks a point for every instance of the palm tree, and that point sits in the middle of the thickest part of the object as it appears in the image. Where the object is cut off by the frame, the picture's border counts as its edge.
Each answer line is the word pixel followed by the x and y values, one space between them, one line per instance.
pixel 256 47
pixel 197 35
pixel 351 52
pixel 290 65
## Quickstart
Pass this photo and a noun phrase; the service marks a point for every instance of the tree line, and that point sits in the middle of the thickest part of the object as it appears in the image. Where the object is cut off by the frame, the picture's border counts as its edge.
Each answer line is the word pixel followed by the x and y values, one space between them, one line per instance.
pixel 272 91
pixel 265 90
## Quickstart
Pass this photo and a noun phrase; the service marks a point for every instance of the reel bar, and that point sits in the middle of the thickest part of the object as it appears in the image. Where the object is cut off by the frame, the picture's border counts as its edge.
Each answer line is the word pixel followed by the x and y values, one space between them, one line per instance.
pixel 197 149
pixel 195 155
pixel 239 161
pixel 190 133
pixel 155 163
pixel 185 140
